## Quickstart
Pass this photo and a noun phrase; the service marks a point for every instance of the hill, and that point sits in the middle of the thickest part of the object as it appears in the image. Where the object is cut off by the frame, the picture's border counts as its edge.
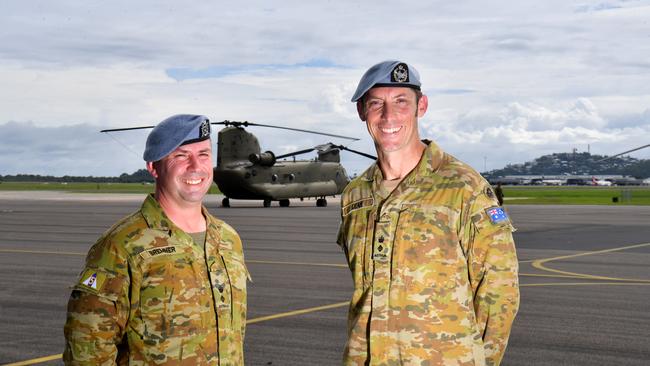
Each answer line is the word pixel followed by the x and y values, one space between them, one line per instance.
pixel 577 164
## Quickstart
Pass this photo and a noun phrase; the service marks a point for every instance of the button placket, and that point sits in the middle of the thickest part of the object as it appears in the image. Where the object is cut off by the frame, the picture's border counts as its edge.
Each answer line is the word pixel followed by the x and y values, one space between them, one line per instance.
pixel 382 247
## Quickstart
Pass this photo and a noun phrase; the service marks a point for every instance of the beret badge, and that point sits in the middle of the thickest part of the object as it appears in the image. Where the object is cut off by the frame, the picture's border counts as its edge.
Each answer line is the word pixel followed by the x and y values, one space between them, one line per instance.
pixel 205 129
pixel 400 73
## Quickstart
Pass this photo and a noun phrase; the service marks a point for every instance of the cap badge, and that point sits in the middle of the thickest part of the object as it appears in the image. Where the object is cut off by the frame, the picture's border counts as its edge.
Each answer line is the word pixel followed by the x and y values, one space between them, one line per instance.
pixel 400 74
pixel 205 129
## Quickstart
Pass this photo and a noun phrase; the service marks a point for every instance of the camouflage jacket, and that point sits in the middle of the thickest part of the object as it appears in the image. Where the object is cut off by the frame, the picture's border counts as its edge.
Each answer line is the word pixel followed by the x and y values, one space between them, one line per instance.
pixel 434 267
pixel 149 296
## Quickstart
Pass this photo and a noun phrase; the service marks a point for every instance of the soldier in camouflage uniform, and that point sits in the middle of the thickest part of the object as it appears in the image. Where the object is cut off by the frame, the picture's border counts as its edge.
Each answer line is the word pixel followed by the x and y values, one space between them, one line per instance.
pixel 431 252
pixel 167 284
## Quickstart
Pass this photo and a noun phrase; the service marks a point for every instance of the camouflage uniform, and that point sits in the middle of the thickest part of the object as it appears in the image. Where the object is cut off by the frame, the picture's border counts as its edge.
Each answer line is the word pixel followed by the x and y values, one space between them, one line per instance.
pixel 435 277
pixel 150 296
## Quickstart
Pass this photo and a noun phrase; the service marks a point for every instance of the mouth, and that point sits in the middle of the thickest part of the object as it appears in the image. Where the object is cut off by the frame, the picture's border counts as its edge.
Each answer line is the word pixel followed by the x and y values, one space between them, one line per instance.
pixel 193 182
pixel 391 130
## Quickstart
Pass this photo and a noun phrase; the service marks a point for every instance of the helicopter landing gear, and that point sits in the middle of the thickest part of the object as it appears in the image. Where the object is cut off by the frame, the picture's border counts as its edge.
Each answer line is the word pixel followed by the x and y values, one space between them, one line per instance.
pixel 321 202
pixel 267 203
pixel 284 203
pixel 225 202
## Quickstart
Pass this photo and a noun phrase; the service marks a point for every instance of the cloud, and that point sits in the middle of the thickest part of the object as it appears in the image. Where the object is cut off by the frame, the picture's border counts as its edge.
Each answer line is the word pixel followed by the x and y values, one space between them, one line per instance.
pixel 518 133
pixel 509 80
pixel 180 74
pixel 26 148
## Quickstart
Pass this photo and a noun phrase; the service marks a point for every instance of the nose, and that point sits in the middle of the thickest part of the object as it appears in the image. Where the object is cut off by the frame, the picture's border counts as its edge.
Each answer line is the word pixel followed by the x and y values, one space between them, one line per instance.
pixel 193 163
pixel 387 111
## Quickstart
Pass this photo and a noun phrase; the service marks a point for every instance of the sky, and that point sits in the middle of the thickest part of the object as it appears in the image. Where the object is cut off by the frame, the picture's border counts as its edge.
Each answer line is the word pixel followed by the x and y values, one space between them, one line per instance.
pixel 507 81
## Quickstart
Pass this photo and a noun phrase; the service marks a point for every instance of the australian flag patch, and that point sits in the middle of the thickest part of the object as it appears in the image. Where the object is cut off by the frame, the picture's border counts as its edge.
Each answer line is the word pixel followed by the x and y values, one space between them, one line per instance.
pixel 497 215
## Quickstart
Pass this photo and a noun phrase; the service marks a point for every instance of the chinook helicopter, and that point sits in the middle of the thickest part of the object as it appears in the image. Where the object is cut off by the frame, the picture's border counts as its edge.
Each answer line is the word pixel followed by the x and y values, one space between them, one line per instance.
pixel 244 172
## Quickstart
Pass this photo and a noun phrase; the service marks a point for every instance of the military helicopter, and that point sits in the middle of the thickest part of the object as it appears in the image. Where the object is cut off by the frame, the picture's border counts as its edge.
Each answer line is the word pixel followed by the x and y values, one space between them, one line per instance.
pixel 244 172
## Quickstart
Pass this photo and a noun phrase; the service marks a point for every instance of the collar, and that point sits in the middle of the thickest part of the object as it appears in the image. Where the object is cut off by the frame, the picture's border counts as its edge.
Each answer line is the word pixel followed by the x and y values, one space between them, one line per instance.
pixel 154 215
pixel 156 218
pixel 429 163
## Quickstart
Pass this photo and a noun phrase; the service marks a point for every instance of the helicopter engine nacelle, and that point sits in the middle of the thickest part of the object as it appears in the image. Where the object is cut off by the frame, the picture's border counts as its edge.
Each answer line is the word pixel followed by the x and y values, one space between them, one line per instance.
pixel 330 155
pixel 266 158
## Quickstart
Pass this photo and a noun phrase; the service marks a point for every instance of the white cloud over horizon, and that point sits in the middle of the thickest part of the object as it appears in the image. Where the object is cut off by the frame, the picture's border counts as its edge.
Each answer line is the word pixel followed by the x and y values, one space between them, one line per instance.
pixel 507 82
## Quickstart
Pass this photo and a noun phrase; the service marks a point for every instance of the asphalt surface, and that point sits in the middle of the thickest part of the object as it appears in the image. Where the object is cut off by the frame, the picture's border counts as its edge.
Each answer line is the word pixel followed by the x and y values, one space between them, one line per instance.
pixel 584 273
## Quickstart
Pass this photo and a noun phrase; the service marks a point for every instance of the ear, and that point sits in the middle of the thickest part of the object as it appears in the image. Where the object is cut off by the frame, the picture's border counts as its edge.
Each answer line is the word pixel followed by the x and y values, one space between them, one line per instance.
pixel 361 111
pixel 152 169
pixel 423 105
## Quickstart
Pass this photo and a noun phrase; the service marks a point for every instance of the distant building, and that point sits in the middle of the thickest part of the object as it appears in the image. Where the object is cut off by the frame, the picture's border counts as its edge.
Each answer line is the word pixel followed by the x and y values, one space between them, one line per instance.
pixel 571 180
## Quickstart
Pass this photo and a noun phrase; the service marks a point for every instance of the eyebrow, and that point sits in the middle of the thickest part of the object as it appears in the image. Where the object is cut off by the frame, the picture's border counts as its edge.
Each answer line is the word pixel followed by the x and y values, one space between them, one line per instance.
pixel 182 150
pixel 400 95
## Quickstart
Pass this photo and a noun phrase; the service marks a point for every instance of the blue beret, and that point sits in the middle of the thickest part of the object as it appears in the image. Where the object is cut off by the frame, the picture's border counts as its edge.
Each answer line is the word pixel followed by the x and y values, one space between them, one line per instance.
pixel 173 132
pixel 388 73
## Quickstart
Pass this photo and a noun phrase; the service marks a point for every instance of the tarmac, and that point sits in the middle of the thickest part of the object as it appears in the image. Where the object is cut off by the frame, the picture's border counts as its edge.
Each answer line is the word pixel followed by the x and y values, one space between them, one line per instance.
pixel 584 274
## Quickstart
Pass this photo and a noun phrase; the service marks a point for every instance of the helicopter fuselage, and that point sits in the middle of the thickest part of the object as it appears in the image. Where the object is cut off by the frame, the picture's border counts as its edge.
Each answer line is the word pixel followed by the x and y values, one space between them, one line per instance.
pixel 243 172
pixel 283 180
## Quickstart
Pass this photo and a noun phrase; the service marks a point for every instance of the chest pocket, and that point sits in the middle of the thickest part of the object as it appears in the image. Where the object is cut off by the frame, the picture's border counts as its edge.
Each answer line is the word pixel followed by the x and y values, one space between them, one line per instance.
pixel 171 297
pixel 429 231
pixel 428 247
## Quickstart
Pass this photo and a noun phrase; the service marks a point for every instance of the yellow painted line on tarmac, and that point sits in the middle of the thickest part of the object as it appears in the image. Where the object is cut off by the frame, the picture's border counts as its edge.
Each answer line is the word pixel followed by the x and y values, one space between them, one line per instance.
pixel 546 275
pixel 586 284
pixel 297 312
pixel 38 252
pixel 36 360
pixel 249 321
pixel 248 261
pixel 298 263
pixel 539 264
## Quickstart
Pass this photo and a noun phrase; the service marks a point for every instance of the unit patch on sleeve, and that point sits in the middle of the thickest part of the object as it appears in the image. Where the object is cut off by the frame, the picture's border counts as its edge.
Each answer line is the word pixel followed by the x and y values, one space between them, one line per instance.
pixel 92 278
pixel 91 281
pixel 497 215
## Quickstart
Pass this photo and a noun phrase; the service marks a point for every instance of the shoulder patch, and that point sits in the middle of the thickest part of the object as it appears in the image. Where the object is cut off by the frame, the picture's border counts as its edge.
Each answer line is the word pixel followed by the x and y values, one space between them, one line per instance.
pixel 489 192
pixel 92 279
pixel 366 202
pixel 497 215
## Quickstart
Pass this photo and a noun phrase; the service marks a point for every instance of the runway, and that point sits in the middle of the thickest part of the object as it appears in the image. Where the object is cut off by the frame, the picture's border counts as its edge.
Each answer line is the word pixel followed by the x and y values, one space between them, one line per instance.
pixel 584 273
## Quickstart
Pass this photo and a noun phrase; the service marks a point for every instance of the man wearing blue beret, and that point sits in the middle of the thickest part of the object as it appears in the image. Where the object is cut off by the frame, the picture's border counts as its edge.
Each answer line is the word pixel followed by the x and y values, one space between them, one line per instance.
pixel 430 250
pixel 167 284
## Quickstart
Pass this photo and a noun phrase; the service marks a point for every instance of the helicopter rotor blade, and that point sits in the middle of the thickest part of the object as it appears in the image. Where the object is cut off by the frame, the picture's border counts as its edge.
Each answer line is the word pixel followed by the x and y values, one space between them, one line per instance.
pixel 295 153
pixel 232 123
pixel 325 148
pixel 127 129
pixel 246 124
pixel 623 153
pixel 356 152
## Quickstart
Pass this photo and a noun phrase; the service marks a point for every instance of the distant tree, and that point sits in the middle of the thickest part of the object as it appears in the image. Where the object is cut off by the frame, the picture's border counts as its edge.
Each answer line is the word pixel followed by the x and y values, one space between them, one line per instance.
pixel 140 176
pixel 641 170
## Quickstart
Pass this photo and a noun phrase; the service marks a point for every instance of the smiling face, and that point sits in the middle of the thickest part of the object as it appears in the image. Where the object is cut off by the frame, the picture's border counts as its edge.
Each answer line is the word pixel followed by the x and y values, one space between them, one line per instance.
pixel 184 176
pixel 391 115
